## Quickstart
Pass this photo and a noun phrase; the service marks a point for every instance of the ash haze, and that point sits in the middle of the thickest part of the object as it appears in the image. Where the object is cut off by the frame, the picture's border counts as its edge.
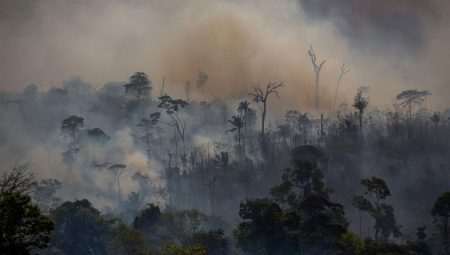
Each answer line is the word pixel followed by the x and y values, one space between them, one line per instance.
pixel 225 127
pixel 390 46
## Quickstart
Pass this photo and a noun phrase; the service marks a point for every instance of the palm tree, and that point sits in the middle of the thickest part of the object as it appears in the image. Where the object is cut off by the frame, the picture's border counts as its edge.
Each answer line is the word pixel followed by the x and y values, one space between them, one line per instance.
pixel 238 123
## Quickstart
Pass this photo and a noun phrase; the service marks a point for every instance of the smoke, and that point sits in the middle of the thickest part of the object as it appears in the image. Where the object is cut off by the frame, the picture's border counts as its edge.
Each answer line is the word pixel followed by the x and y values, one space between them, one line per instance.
pixel 389 46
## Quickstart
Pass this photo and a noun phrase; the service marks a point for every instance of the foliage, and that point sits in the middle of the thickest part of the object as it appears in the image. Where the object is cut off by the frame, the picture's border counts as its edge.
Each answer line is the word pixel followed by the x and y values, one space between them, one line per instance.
pixel 80 229
pixel 377 191
pixel 22 225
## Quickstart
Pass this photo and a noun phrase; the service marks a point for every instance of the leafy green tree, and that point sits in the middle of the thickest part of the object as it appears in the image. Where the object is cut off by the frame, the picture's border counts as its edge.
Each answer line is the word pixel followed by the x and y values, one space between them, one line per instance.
pixel 441 214
pixel 179 250
pixel 214 241
pixel 139 85
pixel 261 230
pixel 182 225
pixel 80 229
pixel 23 227
pixel 127 240
pixel 377 191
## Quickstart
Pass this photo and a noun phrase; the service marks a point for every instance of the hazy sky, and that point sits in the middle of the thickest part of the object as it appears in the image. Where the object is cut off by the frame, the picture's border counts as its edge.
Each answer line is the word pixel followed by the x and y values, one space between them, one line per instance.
pixel 388 45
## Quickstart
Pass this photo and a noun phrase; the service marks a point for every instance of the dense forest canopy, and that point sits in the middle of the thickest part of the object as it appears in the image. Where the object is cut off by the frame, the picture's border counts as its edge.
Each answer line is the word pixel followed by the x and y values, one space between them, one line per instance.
pixel 214 141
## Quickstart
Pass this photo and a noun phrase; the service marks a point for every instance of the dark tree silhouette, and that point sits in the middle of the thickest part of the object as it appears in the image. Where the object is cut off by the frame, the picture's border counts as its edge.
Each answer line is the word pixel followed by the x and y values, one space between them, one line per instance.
pixel 71 126
pixel 411 98
pixel 377 191
pixel 238 123
pixel 139 85
pixel 18 180
pixel 360 103
pixel 261 95
pixel 22 225
pixel 243 109
pixel 99 137
pixel 441 212
pixel 173 108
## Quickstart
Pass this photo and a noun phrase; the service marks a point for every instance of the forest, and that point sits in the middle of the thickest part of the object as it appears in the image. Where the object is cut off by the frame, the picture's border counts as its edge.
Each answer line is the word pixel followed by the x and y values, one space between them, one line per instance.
pixel 136 170
pixel 225 127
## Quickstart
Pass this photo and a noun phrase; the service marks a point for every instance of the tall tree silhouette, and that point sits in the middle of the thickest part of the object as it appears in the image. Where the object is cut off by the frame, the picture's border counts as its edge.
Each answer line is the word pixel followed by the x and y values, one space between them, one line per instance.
pixel 261 95
pixel 140 85
pixel 118 171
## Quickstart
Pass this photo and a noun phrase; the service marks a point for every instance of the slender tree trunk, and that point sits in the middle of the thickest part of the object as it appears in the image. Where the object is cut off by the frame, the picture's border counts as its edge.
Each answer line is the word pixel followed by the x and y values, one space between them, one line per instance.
pixel 317 92
pixel 360 123
pixel 263 118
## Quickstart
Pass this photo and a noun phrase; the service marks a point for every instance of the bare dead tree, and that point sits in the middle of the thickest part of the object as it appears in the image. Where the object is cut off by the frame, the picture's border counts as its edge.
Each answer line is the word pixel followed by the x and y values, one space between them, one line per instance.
pixel 261 95
pixel 317 69
pixel 344 70
pixel 18 180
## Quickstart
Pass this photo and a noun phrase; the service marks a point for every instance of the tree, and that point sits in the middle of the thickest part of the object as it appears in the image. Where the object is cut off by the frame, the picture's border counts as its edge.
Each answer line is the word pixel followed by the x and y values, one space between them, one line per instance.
pixel 147 218
pixel 140 85
pixel 127 240
pixel 147 124
pixel 19 180
pixel 261 230
pixel 238 123
pixel 243 109
pixel 80 229
pixel 118 170
pixel 360 103
pixel 412 97
pixel 344 70
pixel 435 118
pixel 22 225
pixel 377 191
pixel 173 108
pixel 201 81
pixel 317 69
pixel 214 241
pixel 441 213
pixel 71 126
pixel 98 137
pixel 261 95
pixel 183 224
pixel 44 193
